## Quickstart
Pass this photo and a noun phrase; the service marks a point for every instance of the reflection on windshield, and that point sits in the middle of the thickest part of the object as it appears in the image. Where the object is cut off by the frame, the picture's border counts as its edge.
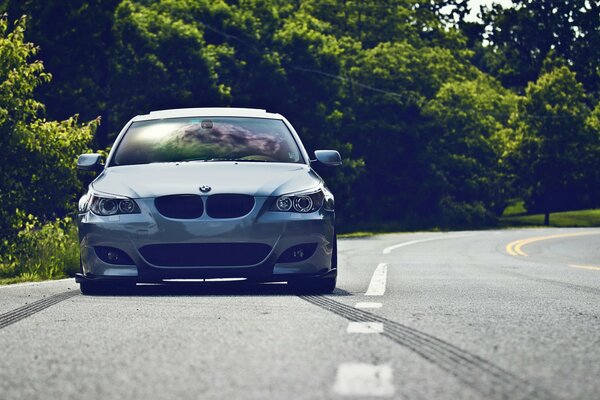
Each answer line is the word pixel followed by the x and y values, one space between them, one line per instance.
pixel 186 139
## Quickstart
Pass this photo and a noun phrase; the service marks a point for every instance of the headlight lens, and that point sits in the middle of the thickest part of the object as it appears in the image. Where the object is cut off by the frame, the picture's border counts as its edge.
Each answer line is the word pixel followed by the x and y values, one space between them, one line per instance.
pixel 111 206
pixel 284 203
pixel 302 203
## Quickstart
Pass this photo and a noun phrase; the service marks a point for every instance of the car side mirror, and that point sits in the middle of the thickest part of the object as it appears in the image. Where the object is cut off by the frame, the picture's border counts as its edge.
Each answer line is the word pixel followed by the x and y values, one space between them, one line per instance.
pixel 90 162
pixel 331 158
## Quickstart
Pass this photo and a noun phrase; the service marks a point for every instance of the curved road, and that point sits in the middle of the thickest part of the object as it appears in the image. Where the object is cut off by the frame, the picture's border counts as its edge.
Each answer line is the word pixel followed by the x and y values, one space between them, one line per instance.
pixel 510 314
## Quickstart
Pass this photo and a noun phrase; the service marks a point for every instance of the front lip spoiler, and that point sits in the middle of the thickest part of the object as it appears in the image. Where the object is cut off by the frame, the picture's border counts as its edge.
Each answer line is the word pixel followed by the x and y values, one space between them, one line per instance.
pixel 272 278
pixel 79 277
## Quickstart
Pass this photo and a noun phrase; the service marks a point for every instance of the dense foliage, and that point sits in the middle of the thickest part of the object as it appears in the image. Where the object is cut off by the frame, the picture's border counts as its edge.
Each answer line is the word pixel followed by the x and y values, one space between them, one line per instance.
pixel 441 122
pixel 37 175
pixel 558 151
pixel 37 179
pixel 522 38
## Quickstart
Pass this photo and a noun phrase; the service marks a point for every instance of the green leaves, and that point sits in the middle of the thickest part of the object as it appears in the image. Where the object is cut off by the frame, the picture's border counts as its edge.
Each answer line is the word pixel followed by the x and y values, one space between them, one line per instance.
pixel 393 84
pixel 36 163
pixel 559 149
pixel 18 77
pixel 161 61
pixel 521 37
pixel 39 252
pixel 473 140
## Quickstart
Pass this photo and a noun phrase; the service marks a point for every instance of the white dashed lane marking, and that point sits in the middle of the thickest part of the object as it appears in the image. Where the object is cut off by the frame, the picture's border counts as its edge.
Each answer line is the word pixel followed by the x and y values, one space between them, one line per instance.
pixel 365 327
pixel 377 285
pixel 389 249
pixel 358 379
pixel 366 304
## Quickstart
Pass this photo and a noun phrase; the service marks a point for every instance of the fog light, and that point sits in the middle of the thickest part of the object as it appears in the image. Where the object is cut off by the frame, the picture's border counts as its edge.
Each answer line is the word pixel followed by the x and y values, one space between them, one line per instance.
pixel 112 255
pixel 297 253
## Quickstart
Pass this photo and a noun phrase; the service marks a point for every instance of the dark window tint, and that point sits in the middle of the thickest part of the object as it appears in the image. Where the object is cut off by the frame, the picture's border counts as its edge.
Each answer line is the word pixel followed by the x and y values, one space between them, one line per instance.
pixel 224 138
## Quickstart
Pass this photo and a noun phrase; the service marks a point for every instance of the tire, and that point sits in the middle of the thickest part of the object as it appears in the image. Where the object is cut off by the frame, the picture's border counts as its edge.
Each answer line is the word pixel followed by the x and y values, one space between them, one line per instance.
pixel 327 285
pixel 99 288
pixel 92 288
pixel 321 285
pixel 334 257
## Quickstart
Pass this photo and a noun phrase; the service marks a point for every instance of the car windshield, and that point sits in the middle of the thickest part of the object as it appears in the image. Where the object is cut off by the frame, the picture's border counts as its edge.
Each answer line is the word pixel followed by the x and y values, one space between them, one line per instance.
pixel 207 139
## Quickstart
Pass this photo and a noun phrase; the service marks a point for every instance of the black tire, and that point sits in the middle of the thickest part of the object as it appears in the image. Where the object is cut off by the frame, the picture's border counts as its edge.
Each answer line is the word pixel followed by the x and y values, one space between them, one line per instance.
pixel 321 285
pixel 92 288
pixel 327 285
pixel 99 288
pixel 334 257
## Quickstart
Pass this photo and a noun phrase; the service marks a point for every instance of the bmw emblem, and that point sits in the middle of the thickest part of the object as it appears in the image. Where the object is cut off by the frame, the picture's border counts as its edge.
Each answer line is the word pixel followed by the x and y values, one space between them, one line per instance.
pixel 205 188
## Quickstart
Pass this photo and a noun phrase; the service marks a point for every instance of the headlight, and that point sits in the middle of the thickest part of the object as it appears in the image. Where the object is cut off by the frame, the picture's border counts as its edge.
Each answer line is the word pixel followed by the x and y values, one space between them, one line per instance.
pixel 111 206
pixel 301 202
pixel 328 201
pixel 84 202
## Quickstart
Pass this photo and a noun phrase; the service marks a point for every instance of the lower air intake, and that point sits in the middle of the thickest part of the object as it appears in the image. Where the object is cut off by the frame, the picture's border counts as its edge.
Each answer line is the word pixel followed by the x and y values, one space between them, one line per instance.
pixel 205 254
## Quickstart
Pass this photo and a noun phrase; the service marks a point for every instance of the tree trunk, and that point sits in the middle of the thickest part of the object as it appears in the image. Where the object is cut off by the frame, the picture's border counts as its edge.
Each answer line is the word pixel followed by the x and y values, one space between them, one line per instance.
pixel 547 218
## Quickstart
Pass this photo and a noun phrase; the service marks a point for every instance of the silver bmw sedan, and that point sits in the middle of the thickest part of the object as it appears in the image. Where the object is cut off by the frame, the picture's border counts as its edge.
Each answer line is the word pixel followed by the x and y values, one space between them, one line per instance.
pixel 207 193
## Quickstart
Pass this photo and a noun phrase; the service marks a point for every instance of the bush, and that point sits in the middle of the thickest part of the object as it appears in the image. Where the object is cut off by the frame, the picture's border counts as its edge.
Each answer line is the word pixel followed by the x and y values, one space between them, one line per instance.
pixel 463 215
pixel 37 173
pixel 41 251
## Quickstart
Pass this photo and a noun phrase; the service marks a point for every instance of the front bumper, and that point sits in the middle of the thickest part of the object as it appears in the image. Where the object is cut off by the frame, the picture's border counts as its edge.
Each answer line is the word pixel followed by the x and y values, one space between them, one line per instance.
pixel 278 230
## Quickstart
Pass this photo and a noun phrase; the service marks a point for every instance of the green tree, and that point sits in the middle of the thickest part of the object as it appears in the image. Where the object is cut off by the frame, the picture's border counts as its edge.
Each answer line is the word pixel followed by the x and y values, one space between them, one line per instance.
pixel 36 163
pixel 593 126
pixel 385 94
pixel 556 155
pixel 75 40
pixel 472 143
pixel 521 37
pixel 162 61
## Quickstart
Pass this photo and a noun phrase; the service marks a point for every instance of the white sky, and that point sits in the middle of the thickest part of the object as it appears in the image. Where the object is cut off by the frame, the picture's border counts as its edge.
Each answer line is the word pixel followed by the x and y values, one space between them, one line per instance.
pixel 474 5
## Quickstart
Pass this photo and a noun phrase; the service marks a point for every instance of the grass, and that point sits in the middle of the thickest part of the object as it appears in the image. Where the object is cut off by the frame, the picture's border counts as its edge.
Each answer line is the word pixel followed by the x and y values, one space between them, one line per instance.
pixel 384 230
pixel 357 235
pixel 514 217
pixel 41 252
pixel 20 279
pixel 579 219
pixel 516 208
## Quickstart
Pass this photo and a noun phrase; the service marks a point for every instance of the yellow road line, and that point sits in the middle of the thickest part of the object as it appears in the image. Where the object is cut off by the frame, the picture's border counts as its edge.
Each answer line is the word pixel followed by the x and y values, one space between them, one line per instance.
pixel 510 247
pixel 515 248
pixel 585 267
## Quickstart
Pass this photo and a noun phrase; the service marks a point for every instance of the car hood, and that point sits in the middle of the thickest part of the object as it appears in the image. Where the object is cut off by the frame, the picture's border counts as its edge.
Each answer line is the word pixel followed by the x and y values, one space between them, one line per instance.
pixel 160 179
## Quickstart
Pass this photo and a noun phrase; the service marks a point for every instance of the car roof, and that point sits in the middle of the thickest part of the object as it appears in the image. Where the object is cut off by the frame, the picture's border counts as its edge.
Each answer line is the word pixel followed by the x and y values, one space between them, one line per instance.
pixel 208 112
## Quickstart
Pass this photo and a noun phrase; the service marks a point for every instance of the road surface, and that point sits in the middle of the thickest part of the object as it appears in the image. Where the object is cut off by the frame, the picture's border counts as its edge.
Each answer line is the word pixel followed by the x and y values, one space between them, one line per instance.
pixel 510 314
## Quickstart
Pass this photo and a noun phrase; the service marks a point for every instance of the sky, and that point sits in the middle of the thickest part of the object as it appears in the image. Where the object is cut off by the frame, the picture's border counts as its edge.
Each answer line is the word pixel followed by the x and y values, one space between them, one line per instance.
pixel 474 5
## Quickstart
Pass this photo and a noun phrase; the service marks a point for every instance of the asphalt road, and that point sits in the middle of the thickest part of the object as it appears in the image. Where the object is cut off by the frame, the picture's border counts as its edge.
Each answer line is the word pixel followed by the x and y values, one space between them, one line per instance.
pixel 508 314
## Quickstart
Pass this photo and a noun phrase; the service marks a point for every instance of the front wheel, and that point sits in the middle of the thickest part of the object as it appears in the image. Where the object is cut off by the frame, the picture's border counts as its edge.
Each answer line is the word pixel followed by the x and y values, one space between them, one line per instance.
pixel 91 288
pixel 320 285
pixel 98 288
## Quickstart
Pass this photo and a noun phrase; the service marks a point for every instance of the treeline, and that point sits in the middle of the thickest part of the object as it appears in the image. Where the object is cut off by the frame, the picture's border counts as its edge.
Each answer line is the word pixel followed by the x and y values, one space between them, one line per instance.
pixel 441 122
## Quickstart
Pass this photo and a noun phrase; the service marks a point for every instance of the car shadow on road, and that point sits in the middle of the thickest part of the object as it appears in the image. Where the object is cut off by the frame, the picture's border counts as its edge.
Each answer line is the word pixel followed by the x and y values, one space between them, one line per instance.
pixel 213 289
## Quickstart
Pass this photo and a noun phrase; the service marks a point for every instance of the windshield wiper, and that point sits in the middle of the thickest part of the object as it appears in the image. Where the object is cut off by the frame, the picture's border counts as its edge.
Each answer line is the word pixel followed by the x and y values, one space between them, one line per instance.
pixel 236 159
pixel 217 159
